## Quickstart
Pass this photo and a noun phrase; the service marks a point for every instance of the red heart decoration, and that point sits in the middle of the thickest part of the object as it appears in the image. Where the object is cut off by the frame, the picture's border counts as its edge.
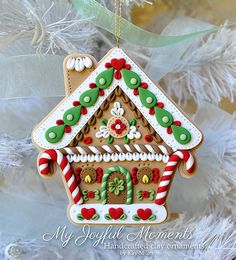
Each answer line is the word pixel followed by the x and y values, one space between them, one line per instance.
pixel 118 64
pixel 88 213
pixel 144 213
pixel 116 213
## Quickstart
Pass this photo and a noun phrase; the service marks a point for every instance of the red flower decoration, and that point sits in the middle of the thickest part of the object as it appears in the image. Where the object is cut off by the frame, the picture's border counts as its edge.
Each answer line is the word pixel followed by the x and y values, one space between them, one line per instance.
pixel 118 65
pixel 145 194
pixel 118 126
pixel 90 194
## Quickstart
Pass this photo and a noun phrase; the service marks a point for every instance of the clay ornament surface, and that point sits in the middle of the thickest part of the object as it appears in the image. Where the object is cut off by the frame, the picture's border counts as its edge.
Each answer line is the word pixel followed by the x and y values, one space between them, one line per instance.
pixel 117 140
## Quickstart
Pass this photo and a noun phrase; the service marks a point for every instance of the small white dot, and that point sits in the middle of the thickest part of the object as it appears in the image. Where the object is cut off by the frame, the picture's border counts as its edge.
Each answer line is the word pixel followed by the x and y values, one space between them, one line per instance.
pixel 165 119
pixel 149 100
pixel 52 135
pixel 117 126
pixel 183 137
pixel 87 99
pixel 69 117
pixel 102 81
pixel 133 81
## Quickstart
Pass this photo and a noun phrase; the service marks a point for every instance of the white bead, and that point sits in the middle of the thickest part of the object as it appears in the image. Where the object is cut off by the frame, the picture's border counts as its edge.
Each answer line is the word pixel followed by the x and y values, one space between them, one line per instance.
pixel 69 117
pixel 102 81
pixel 133 81
pixel 149 100
pixel 87 99
pixel 165 119
pixel 183 137
pixel 52 135
pixel 88 63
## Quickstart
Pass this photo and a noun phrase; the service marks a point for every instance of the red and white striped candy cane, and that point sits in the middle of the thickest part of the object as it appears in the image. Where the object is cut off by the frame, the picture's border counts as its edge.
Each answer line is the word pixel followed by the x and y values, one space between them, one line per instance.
pixel 44 169
pixel 169 170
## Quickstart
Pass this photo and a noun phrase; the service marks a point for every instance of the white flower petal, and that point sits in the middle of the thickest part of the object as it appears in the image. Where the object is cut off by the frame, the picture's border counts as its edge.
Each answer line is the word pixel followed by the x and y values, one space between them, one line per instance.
pixel 133 129
pixel 114 112
pixel 130 136
pixel 103 128
pixel 106 134
pixel 121 112
pixel 99 134
pixel 117 105
pixel 137 135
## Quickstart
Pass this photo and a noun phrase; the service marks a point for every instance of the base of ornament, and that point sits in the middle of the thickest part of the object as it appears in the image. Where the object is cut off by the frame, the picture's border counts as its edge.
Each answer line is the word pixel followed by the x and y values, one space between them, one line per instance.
pixel 117 214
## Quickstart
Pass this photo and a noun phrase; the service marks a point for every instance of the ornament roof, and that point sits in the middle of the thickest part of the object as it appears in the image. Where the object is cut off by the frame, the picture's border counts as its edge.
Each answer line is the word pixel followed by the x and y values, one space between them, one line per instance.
pixel 172 135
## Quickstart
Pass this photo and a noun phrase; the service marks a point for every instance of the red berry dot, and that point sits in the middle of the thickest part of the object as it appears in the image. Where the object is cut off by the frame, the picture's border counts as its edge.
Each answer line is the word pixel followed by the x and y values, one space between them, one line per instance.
pixel 84 111
pixel 67 129
pixel 148 138
pixel 151 111
pixel 177 123
pixel 135 92
pixel 60 122
pixel 76 103
pixel 108 65
pixel 127 67
pixel 169 130
pixel 160 104
pixel 144 85
pixel 88 140
pixel 92 85
pixel 101 92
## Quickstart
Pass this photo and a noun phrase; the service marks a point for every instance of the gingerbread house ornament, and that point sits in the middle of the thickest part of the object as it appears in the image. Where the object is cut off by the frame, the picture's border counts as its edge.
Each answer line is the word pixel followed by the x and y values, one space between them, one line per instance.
pixel 117 140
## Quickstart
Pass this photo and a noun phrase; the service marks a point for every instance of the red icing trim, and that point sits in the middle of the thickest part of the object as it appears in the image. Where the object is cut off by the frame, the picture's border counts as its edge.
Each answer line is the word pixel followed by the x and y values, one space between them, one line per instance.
pixel 99 171
pixel 134 175
pixel 155 175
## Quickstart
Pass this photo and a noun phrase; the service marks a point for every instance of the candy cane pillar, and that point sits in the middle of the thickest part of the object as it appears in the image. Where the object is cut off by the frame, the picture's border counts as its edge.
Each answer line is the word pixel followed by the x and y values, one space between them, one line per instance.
pixel 44 169
pixel 169 170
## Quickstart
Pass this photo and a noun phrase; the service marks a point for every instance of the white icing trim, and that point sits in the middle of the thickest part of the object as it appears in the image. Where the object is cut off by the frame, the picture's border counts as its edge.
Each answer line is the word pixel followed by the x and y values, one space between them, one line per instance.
pixel 39 132
pixel 107 157
pixel 129 210
pixel 79 64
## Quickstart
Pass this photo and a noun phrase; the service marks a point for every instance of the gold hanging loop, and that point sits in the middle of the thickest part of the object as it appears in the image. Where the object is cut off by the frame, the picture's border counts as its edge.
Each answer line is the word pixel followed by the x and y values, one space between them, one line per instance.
pixel 117 22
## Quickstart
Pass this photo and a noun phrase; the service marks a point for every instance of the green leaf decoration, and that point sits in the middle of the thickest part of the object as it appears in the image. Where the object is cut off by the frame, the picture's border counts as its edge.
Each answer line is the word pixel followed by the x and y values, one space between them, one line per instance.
pixel 104 79
pixel 147 98
pixel 136 217
pixel 164 118
pixel 72 115
pixel 80 217
pixel 140 197
pixel 55 133
pixel 151 194
pixel 152 217
pixel 104 121
pixel 97 197
pixel 181 134
pixel 89 97
pixel 132 79
pixel 84 192
pixel 85 197
pixel 96 192
pixel 123 216
pixel 107 217
pixel 132 122
pixel 110 139
pixel 126 139
pixel 95 217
